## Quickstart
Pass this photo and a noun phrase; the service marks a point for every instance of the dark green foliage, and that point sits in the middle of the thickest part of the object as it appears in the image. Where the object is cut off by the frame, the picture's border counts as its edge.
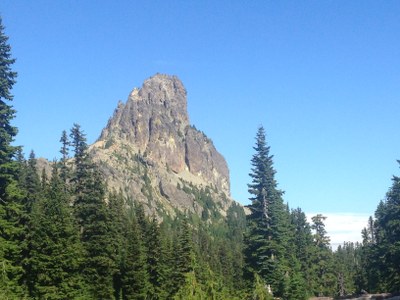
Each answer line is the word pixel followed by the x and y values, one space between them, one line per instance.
pixel 12 233
pixel 102 248
pixel 82 164
pixel 7 113
pixel 98 267
pixel 380 251
pixel 389 234
pixel 153 255
pixel 260 290
pixel 118 225
pixel 56 253
pixel 324 282
pixel 64 170
pixel 303 245
pixel 267 236
pixel 167 264
pixel 10 194
pixel 135 284
pixel 368 273
pixel 93 219
pixel 184 251
pixel 297 289
pixel 346 266
pixel 32 184
pixel 33 193
pixel 191 288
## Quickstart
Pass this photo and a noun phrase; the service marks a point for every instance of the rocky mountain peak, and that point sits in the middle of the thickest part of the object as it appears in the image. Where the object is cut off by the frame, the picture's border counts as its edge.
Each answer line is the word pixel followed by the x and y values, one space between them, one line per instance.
pixel 153 125
pixel 162 98
pixel 164 90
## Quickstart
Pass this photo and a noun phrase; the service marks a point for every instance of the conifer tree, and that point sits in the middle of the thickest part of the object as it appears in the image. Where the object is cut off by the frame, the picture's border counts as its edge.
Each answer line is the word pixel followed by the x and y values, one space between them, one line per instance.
pixel 118 225
pixel 346 265
pixel 392 232
pixel 93 219
pixel 82 163
pixel 303 244
pixel 260 291
pixel 382 243
pixel 236 221
pixel 56 252
pixel 21 167
pixel 32 183
pixel 7 113
pixel 267 235
pixel 368 275
pixel 134 275
pixel 191 289
pixel 325 279
pixel 10 193
pixel 32 194
pixel 64 170
pixel 167 264
pixel 184 252
pixel 153 255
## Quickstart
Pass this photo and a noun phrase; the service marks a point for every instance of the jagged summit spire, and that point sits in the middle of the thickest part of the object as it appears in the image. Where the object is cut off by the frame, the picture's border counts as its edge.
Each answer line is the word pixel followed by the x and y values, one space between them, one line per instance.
pixel 154 122
pixel 160 97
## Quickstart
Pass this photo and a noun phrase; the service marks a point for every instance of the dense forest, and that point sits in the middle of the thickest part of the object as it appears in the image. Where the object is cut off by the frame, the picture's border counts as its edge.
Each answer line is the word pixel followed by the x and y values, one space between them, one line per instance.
pixel 65 235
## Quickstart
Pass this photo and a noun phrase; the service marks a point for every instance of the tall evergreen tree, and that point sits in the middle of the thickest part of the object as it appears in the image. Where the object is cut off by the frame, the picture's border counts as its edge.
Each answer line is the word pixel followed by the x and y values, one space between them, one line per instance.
pixel 118 225
pixel 93 220
pixel 134 275
pixel 10 193
pixel 191 289
pixel 184 250
pixel 303 246
pixel 382 243
pixel 32 194
pixel 167 263
pixel 7 113
pixel 303 239
pixel 32 183
pixel 64 170
pixel 346 265
pixel 392 232
pixel 325 279
pixel 154 252
pixel 56 252
pixel 83 165
pixel 369 275
pixel 267 234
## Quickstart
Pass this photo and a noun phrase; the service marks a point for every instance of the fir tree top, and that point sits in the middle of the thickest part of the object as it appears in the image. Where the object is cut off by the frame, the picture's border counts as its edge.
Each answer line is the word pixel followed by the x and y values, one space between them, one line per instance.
pixel 7 76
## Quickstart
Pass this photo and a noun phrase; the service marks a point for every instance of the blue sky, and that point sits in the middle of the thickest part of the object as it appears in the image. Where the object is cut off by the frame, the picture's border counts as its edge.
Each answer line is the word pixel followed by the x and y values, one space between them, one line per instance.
pixel 322 77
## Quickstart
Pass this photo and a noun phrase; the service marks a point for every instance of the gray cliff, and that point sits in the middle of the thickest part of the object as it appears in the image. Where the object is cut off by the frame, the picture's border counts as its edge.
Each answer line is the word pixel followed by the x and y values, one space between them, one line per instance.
pixel 149 149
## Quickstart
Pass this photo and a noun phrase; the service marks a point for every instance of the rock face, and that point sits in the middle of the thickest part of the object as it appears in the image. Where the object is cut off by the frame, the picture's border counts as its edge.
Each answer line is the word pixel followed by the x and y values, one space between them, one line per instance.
pixel 149 142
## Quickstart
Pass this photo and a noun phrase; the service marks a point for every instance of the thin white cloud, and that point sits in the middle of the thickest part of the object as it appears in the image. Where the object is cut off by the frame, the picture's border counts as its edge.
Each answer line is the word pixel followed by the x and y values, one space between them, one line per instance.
pixel 343 227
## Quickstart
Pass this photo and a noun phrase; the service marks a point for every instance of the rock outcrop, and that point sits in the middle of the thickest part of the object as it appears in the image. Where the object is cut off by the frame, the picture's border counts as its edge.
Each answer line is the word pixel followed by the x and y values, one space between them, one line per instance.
pixel 149 150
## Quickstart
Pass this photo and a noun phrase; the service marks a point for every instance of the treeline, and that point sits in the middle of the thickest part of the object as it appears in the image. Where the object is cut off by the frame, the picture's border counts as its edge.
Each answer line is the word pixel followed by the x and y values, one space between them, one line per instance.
pixel 284 255
pixel 374 264
pixel 65 237
pixel 294 259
